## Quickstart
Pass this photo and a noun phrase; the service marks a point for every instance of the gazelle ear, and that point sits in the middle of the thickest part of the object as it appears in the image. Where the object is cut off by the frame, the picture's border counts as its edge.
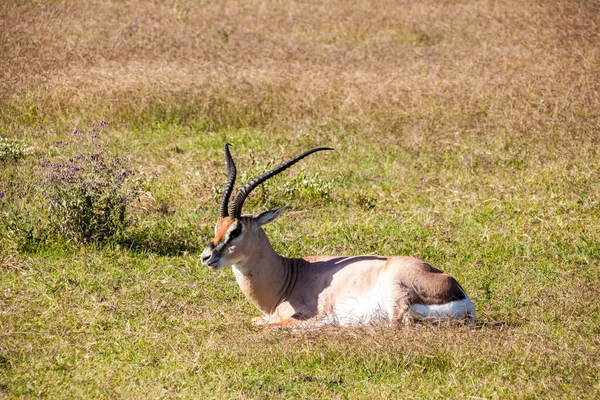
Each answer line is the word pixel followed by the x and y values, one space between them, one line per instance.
pixel 269 216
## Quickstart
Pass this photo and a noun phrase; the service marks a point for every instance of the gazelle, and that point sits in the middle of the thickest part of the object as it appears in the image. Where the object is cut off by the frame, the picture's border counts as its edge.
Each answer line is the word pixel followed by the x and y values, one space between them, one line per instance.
pixel 324 289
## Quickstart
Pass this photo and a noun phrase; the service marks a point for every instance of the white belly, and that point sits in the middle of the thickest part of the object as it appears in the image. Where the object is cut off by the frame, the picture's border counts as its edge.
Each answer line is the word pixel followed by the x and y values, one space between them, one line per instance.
pixel 368 309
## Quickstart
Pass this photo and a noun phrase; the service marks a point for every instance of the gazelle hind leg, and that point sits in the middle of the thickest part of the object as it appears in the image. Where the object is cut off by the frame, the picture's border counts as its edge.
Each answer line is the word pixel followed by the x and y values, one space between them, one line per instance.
pixel 398 301
pixel 396 295
pixel 399 316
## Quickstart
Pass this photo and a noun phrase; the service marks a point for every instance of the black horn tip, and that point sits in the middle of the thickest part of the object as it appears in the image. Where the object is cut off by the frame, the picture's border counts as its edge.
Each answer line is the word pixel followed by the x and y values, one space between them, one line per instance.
pixel 323 148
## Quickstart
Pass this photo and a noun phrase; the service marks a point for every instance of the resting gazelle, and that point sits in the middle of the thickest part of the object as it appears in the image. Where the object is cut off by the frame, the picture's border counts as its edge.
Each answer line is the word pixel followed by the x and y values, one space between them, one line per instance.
pixel 324 289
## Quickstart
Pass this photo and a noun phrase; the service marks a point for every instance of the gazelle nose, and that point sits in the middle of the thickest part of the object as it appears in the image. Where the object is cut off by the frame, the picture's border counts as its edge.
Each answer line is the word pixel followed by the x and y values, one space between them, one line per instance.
pixel 207 253
pixel 205 257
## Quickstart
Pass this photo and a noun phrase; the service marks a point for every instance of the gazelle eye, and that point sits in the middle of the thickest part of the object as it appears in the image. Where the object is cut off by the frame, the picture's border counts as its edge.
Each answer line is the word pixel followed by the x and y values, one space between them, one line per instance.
pixel 236 232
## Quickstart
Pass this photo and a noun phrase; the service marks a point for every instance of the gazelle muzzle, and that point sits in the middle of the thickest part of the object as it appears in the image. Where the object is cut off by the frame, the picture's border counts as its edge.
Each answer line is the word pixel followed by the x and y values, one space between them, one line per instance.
pixel 211 256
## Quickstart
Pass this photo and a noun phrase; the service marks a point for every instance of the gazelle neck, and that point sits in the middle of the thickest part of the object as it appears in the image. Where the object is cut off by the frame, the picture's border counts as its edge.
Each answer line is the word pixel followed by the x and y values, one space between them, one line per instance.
pixel 264 276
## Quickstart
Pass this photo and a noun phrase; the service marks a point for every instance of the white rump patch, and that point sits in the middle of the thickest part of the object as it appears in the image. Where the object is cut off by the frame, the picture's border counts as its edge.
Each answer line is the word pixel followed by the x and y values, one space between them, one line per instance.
pixel 441 312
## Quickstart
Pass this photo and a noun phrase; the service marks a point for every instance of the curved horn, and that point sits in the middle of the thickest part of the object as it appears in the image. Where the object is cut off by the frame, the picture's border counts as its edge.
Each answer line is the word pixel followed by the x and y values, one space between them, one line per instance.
pixel 231 174
pixel 244 191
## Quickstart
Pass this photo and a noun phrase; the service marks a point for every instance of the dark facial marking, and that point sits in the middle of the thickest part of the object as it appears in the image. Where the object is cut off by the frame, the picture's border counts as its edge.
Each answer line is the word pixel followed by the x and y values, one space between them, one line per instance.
pixel 235 232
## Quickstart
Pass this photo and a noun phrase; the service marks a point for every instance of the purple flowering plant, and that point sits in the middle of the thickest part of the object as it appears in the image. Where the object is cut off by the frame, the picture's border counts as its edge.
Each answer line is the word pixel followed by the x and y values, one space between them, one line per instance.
pixel 89 189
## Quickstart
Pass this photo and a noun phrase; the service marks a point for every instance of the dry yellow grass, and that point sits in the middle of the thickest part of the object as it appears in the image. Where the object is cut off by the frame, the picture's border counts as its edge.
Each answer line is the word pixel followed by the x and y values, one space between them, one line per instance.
pixel 485 64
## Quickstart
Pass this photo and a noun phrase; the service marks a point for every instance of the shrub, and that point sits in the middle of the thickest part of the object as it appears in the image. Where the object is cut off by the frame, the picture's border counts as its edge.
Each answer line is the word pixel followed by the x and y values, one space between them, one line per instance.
pixel 89 192
pixel 10 149
pixel 306 187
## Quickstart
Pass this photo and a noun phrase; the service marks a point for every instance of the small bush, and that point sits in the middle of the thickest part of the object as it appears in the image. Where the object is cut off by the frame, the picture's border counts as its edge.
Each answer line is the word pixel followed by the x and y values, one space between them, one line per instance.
pixel 10 150
pixel 89 192
pixel 282 189
pixel 306 187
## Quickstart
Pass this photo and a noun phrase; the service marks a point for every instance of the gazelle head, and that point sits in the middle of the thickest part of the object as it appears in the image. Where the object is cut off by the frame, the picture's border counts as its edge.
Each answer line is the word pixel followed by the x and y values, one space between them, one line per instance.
pixel 233 233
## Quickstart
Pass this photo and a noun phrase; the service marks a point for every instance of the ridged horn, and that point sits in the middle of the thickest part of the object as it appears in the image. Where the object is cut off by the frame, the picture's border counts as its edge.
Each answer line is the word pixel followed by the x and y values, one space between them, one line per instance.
pixel 231 174
pixel 244 191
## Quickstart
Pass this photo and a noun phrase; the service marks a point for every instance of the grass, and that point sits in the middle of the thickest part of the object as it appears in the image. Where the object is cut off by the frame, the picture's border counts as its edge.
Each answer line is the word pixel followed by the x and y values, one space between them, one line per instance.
pixel 466 132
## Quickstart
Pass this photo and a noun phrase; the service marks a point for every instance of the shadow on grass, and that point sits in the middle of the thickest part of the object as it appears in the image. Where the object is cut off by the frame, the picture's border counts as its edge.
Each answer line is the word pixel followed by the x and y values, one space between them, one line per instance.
pixel 496 325
pixel 164 242
pixel 161 237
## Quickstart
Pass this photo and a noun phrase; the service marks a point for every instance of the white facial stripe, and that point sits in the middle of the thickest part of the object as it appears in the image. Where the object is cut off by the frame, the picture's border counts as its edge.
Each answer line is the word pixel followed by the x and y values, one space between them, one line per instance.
pixel 228 237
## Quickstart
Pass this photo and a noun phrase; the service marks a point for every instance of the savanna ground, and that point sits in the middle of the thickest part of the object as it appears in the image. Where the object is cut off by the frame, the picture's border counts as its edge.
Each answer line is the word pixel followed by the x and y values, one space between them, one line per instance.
pixel 467 134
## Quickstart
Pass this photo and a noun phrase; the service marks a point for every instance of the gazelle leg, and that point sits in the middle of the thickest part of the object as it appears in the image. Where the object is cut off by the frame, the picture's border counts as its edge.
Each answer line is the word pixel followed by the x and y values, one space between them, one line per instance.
pixel 398 303
pixel 399 315
pixel 285 323
pixel 261 320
